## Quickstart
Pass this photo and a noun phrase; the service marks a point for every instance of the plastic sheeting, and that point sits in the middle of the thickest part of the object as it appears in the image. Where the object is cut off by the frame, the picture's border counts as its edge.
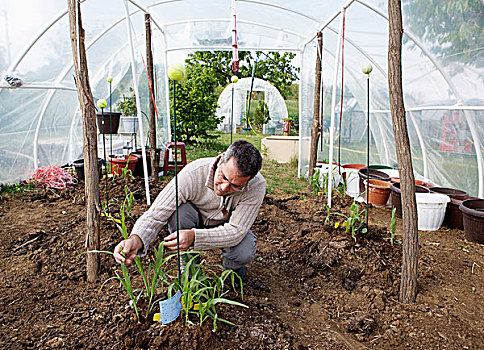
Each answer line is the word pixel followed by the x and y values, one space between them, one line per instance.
pixel 443 98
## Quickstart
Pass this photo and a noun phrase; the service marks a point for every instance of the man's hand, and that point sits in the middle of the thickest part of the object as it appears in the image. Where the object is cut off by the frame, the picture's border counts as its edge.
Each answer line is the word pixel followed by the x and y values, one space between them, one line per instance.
pixel 130 248
pixel 187 237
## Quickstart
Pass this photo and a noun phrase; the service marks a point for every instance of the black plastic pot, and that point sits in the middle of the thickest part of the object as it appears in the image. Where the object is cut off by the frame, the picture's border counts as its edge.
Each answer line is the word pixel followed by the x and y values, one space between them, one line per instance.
pixel 451 192
pixel 473 217
pixel 453 215
pixel 397 196
pixel 79 167
pixel 138 170
pixel 111 122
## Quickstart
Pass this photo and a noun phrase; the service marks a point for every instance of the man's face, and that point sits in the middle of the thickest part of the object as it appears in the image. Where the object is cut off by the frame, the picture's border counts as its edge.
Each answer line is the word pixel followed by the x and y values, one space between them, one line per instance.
pixel 227 178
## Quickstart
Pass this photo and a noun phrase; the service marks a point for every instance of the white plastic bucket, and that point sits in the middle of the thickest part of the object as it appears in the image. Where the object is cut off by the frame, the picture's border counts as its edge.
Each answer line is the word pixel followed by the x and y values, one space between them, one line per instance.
pixel 324 170
pixel 431 210
pixel 130 124
pixel 352 182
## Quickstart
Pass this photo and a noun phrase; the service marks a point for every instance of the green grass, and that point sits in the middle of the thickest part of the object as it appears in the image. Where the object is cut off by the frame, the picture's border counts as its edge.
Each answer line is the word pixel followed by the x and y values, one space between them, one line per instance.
pixel 293 109
pixel 16 188
pixel 281 178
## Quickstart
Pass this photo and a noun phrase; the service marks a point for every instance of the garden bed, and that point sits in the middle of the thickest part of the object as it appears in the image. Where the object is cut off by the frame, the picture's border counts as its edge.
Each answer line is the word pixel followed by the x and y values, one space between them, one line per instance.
pixel 311 286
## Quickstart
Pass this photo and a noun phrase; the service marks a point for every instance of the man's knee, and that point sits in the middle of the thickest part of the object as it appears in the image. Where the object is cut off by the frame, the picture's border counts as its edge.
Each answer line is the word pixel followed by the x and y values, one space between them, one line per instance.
pixel 241 254
pixel 246 256
pixel 188 217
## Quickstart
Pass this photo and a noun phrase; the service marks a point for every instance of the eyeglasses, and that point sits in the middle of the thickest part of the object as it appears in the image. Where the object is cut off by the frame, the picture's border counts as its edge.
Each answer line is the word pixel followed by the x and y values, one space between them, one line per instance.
pixel 235 187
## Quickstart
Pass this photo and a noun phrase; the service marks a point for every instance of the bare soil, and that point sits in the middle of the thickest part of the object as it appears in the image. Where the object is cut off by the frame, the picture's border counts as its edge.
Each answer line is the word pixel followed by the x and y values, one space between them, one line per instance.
pixel 311 286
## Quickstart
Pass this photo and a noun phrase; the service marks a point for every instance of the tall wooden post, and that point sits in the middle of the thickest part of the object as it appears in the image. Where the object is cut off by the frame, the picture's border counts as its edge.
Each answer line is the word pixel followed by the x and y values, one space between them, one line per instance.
pixel 88 110
pixel 315 129
pixel 408 284
pixel 152 132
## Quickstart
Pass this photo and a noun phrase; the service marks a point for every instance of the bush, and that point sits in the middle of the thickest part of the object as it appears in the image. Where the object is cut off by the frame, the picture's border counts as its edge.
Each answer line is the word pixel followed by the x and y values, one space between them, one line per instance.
pixel 261 115
pixel 196 102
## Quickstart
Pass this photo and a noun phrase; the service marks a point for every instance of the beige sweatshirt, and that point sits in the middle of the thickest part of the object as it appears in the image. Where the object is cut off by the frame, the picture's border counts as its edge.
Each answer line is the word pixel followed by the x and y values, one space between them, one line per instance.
pixel 195 184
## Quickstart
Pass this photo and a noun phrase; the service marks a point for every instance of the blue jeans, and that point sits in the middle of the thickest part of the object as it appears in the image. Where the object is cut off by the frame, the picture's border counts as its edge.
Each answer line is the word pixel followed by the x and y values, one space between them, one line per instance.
pixel 233 257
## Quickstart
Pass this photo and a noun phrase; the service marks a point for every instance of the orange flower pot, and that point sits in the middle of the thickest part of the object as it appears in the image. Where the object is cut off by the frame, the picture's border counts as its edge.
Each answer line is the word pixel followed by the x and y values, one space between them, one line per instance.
pixel 379 192
pixel 417 182
pixel 118 163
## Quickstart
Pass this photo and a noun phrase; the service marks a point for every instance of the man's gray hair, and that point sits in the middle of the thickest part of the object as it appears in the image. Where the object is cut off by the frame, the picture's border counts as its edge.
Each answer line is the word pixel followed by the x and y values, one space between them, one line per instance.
pixel 247 157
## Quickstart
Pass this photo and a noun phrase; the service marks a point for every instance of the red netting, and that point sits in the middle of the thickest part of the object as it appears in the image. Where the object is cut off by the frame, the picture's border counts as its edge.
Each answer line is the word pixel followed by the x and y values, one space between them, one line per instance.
pixel 52 177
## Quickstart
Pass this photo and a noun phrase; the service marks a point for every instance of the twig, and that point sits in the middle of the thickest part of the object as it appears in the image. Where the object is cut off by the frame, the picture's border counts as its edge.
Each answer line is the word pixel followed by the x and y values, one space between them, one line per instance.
pixel 379 257
pixel 77 312
pixel 375 338
pixel 26 243
pixel 55 194
pixel 474 264
pixel 13 302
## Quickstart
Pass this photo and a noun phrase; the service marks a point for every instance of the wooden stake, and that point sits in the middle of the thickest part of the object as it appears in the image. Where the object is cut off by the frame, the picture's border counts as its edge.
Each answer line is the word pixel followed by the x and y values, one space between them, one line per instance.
pixel 152 132
pixel 315 129
pixel 88 111
pixel 408 283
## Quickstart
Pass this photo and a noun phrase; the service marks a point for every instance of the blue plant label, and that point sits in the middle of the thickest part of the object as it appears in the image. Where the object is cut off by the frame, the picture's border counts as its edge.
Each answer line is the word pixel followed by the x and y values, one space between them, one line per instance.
pixel 170 308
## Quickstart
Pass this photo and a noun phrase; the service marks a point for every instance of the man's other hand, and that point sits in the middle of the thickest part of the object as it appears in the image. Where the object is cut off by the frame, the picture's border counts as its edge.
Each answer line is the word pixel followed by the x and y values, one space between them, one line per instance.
pixel 187 237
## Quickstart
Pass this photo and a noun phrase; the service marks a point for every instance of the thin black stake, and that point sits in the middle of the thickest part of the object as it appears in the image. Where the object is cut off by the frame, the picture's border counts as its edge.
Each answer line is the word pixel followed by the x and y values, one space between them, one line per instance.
pixel 176 187
pixel 367 148
pixel 232 114
pixel 250 94
pixel 105 161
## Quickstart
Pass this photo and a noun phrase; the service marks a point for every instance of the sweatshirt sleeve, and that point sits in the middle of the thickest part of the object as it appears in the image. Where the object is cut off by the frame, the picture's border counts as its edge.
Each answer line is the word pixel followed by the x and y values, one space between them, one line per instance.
pixel 231 233
pixel 152 221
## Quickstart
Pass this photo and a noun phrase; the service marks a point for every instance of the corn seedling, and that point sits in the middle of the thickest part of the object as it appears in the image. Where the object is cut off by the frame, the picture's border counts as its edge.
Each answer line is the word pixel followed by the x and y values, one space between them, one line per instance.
pixel 314 181
pixel 155 276
pixel 341 188
pixel 128 200
pixel 127 173
pixel 125 211
pixel 393 224
pixel 323 184
pixel 124 279
pixel 154 279
pixel 355 220
pixel 203 290
pixel 327 208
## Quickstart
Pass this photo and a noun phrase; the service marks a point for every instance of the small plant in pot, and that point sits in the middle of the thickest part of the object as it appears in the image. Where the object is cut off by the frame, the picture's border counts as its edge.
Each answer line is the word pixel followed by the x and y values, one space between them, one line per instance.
pixel 127 106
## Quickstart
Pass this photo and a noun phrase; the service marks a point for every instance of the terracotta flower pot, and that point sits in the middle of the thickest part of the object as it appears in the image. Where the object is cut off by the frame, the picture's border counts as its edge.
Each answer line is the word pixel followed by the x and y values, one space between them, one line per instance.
pixel 417 182
pixel 352 168
pixel 118 163
pixel 374 174
pixel 379 192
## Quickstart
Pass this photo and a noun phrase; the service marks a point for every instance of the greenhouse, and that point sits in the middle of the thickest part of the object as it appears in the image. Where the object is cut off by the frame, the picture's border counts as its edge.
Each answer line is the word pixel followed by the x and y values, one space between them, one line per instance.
pixel 327 267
